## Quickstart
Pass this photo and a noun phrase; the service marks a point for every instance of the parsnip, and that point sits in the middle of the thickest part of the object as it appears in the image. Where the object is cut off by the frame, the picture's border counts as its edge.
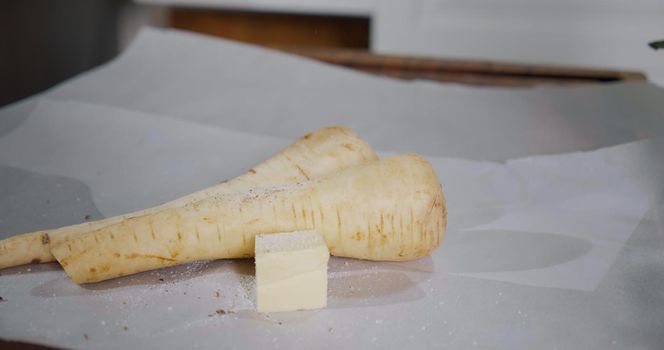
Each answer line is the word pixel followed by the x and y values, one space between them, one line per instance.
pixel 392 209
pixel 321 152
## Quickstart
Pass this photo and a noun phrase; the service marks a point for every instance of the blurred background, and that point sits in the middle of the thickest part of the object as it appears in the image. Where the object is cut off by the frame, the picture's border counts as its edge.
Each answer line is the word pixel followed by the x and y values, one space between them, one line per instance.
pixel 506 42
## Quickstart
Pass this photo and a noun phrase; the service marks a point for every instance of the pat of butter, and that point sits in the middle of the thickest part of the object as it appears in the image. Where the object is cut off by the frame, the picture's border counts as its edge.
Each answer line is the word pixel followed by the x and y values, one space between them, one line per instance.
pixel 291 271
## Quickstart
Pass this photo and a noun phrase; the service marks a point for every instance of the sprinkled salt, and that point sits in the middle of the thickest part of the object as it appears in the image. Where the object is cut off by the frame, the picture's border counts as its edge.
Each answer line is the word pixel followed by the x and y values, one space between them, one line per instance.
pixel 287 241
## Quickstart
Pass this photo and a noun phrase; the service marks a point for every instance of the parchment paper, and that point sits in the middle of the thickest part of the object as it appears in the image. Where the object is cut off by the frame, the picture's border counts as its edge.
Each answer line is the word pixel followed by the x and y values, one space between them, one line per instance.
pixel 245 88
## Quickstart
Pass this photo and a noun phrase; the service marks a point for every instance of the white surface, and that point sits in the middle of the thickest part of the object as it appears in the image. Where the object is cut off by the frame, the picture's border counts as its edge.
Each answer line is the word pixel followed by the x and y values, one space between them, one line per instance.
pixel 583 222
pixel 584 200
pixel 251 89
pixel 551 251
pixel 183 157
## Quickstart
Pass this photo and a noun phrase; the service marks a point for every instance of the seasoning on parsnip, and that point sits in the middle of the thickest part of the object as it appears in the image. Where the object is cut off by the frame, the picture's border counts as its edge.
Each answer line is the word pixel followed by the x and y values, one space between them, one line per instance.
pixel 391 209
pixel 321 152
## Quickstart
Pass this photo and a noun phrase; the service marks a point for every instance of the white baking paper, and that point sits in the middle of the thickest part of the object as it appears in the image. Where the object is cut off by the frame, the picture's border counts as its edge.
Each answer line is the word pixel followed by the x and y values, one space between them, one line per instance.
pixel 251 89
pixel 130 160
pixel 567 215
pixel 522 234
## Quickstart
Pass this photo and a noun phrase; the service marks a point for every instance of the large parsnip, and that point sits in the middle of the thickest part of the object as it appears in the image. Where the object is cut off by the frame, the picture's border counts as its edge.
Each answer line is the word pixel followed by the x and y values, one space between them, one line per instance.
pixel 321 152
pixel 391 209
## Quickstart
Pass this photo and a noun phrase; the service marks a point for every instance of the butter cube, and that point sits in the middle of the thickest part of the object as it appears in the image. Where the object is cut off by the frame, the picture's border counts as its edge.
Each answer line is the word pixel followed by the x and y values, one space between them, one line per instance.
pixel 291 271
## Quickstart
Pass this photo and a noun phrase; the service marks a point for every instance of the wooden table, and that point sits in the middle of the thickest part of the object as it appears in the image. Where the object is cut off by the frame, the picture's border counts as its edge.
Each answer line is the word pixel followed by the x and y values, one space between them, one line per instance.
pixel 472 72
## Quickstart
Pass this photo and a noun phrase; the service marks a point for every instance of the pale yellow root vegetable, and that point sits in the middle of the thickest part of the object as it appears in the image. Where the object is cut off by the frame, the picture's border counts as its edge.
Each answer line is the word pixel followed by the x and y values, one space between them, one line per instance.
pixel 391 209
pixel 321 152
